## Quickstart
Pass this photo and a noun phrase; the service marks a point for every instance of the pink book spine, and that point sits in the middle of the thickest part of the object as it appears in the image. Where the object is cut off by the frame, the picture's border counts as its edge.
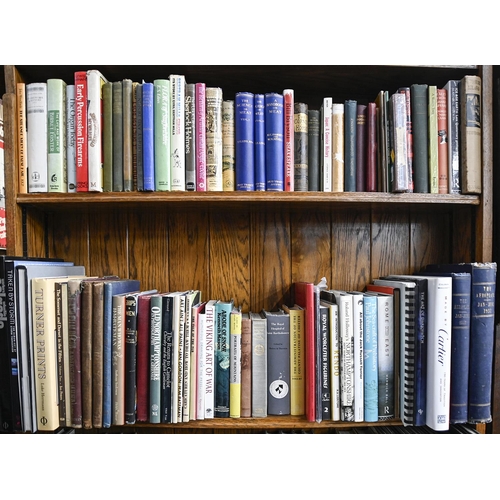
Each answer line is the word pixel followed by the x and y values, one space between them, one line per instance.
pixel 289 140
pixel 201 153
pixel 82 167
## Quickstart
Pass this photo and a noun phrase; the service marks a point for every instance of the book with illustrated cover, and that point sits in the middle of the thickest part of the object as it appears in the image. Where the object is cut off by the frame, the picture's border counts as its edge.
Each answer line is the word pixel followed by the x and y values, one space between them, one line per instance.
pixel 409 135
pixel 222 357
pixel 213 138
pixel 443 156
pixel 228 146
pixel 453 102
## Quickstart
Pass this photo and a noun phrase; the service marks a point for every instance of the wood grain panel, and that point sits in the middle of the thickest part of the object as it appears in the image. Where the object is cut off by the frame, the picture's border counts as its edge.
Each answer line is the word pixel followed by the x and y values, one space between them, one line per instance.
pixel 462 237
pixel 36 233
pixel 148 250
pixel 351 252
pixel 230 257
pixel 271 260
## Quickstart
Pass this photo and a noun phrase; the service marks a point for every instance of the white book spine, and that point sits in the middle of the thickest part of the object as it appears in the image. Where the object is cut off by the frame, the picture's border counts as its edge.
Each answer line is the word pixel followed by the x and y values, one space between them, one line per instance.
pixel 56 136
pixel 347 361
pixel 335 360
pixel 327 144
pixel 186 393
pixel 95 81
pixel 36 109
pixel 201 376
pixel 209 359
pixel 177 139
pixel 358 357
pixel 70 139
pixel 180 354
pixel 259 366
pixel 400 135
pixel 214 138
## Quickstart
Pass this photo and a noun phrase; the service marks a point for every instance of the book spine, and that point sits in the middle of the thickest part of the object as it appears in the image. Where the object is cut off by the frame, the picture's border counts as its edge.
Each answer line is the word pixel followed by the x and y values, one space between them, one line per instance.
pixel 194 360
pixel 36 109
pixel 301 139
pixel 400 133
pixel 209 361
pixel 350 134
pixel 274 123
pixel 406 91
pixel 228 146
pixel 313 148
pixel 70 139
pixel 346 361
pixel 139 144
pixel 370 365
pixel 95 82
pixel 82 166
pixel 190 136
pixel 107 357
pixel 162 127
pixel 179 323
pixel 222 358
pixel 335 360
pixel 259 142
pixel 419 112
pixel 118 381
pixel 297 380
pixel 107 137
pixel 155 360
pixel 361 145
pixel 127 131
pixel 433 140
pixel 259 366
pixel 186 392
pixel 338 173
pixel 371 152
pixel 326 401
pixel 288 139
pixel 148 137
pixel 66 369
pixel 166 360
pixel 419 399
pixel 86 353
pixel 22 137
pixel 201 144
pixel 235 365
pixel 61 395
pixel 177 133
pixel 118 136
pixel 246 366
pixel 452 88
pixel 358 353
pixel 74 352
pixel 471 133
pixel 134 135
pixel 326 145
pixel 143 329
pixel 442 122
pixel 214 138
pixel 130 358
pixel 56 136
pixel 245 141
pixel 200 372
pixel 97 353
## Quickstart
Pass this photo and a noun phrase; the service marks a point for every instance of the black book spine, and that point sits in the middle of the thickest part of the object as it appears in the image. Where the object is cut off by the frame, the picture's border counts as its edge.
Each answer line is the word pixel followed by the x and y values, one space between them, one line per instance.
pixel 326 400
pixel 313 148
pixel 166 361
pixel 5 403
pixel 130 358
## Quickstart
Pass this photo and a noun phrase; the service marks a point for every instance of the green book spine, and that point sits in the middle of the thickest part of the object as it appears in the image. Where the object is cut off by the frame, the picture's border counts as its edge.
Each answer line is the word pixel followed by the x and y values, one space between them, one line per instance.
pixel 56 136
pixel 433 140
pixel 128 178
pixel 222 362
pixel 162 120
pixel 139 144
pixel 419 112
pixel 301 160
pixel 107 136
pixel 117 136
pixel 155 360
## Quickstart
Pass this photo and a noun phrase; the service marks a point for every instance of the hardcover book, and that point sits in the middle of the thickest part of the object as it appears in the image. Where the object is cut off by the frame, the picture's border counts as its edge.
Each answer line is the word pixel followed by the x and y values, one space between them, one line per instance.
pixel 288 138
pixel 350 131
pixel 244 140
pixel 143 329
pixel 156 307
pixel 228 147
pixel 177 132
pixel 301 139
pixel 56 136
pixel 127 135
pixel 313 148
pixel 81 111
pixel 148 137
pixel 370 365
pixel 453 101
pixel 259 142
pixel 166 303
pixel 361 146
pixel 419 112
pixel 409 136
pixel 246 365
pixel 118 136
pixel 401 181
pixel 326 145
pixel 201 144
pixel 383 149
pixel 433 140
pixel 278 362
pixel 274 123
pixel 138 134
pixel 107 137
pixel 214 138
pixel 162 134
pixel 338 147
pixel 371 152
pixel 358 353
pixel 235 363
pixel 190 136
pixel 210 357
pixel 22 137
pixel 442 121
pixel 259 365
pixel 196 359
pixel 200 362
pixel 222 357
pixel 324 355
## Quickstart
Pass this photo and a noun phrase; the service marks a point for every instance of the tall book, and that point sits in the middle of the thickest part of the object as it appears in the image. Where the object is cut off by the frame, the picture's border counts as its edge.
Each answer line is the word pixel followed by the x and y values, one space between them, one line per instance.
pixel 107 137
pixel 471 133
pixel 127 135
pixel 453 101
pixel 210 357
pixel 228 146
pixel 406 91
pixel 384 160
pixel 22 138
pixel 313 148
pixel 278 362
pixel 371 149
pixel 370 365
pixel 36 122
pixel 166 303
pixel 259 142
pixel 3 232
pixel 443 157
pixel 156 307
pixel 197 310
pixel 190 136
pixel 326 145
pixel 304 297
pixel 56 136
pixel 97 353
pixel 288 139
pixel 143 329
pixel 70 138
pixel 246 365
pixel 148 137
pixel 324 356
pixel 361 146
pixel 358 353
pixel 274 125
pixel 401 181
pixel 81 109
pixel 338 147
pixel 138 131
pixel 259 365
pixel 300 140
pixel 177 133
pixel 222 357
pixel 201 131
pixel 297 358
pixel 200 366
pixel 162 128
pixel 419 112
pixel 235 363
pixel 483 294
pixel 433 140
pixel 350 132
pixel 178 346
pixel 118 136
pixel 245 141
pixel 136 137
pixel 95 82
pixel 214 138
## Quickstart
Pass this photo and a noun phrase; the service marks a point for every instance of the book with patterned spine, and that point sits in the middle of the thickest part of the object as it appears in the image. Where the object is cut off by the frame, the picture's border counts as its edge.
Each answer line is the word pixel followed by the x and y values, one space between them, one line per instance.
pixel 288 137
pixel 443 158
pixel 228 146
pixel 260 142
pixel 401 181
pixel 200 126
pixel 453 101
pixel 190 136
pixel 214 138
pixel 162 127
pixel 326 145
pixel 259 365
pixel 56 136
pixel 338 147
pixel 82 165
pixel 36 122
pixel 409 135
pixel 274 124
pixel 301 140
pixel 245 141
pixel 177 133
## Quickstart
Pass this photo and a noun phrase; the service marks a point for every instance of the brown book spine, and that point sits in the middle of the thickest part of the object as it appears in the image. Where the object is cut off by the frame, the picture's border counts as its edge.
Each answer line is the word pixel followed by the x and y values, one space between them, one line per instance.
pixel 361 144
pixel 86 350
pixel 246 366
pixel 371 152
pixel 74 334
pixel 97 352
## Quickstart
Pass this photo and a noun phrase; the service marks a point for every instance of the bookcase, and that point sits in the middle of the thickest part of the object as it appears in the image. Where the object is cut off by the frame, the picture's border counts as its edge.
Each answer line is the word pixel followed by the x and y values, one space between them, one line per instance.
pixel 252 246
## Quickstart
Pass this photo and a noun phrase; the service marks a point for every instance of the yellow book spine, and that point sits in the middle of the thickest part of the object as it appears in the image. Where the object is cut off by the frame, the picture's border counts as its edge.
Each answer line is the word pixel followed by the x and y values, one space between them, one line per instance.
pixel 297 381
pixel 235 367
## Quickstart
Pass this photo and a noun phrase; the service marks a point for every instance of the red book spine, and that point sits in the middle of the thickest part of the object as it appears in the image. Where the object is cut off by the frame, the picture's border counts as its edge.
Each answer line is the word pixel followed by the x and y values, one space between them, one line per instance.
pixel 442 117
pixel 82 167
pixel 371 152
pixel 201 143
pixel 142 367
pixel 289 139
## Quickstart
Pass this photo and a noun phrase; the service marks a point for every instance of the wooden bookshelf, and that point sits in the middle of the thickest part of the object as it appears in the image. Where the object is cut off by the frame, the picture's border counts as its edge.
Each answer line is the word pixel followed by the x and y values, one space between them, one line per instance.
pixel 254 246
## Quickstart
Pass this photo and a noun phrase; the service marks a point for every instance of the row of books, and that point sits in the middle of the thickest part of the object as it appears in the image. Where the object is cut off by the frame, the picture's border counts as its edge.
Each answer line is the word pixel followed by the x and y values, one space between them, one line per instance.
pixel 3 228
pixel 96 135
pixel 94 352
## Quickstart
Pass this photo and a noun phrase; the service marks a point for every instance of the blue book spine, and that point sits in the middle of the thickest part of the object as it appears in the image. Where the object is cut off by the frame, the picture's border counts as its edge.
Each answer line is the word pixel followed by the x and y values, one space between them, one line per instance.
pixel 260 142
pixel 222 351
pixel 148 137
pixel 350 134
pixel 244 138
pixel 460 342
pixel 275 157
pixel 370 362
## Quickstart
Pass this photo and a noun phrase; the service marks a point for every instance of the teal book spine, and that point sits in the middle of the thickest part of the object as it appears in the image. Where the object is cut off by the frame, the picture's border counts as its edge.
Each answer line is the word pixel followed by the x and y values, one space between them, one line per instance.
pixel 222 351
pixel 155 360
pixel 161 112
pixel 370 364
pixel 350 134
